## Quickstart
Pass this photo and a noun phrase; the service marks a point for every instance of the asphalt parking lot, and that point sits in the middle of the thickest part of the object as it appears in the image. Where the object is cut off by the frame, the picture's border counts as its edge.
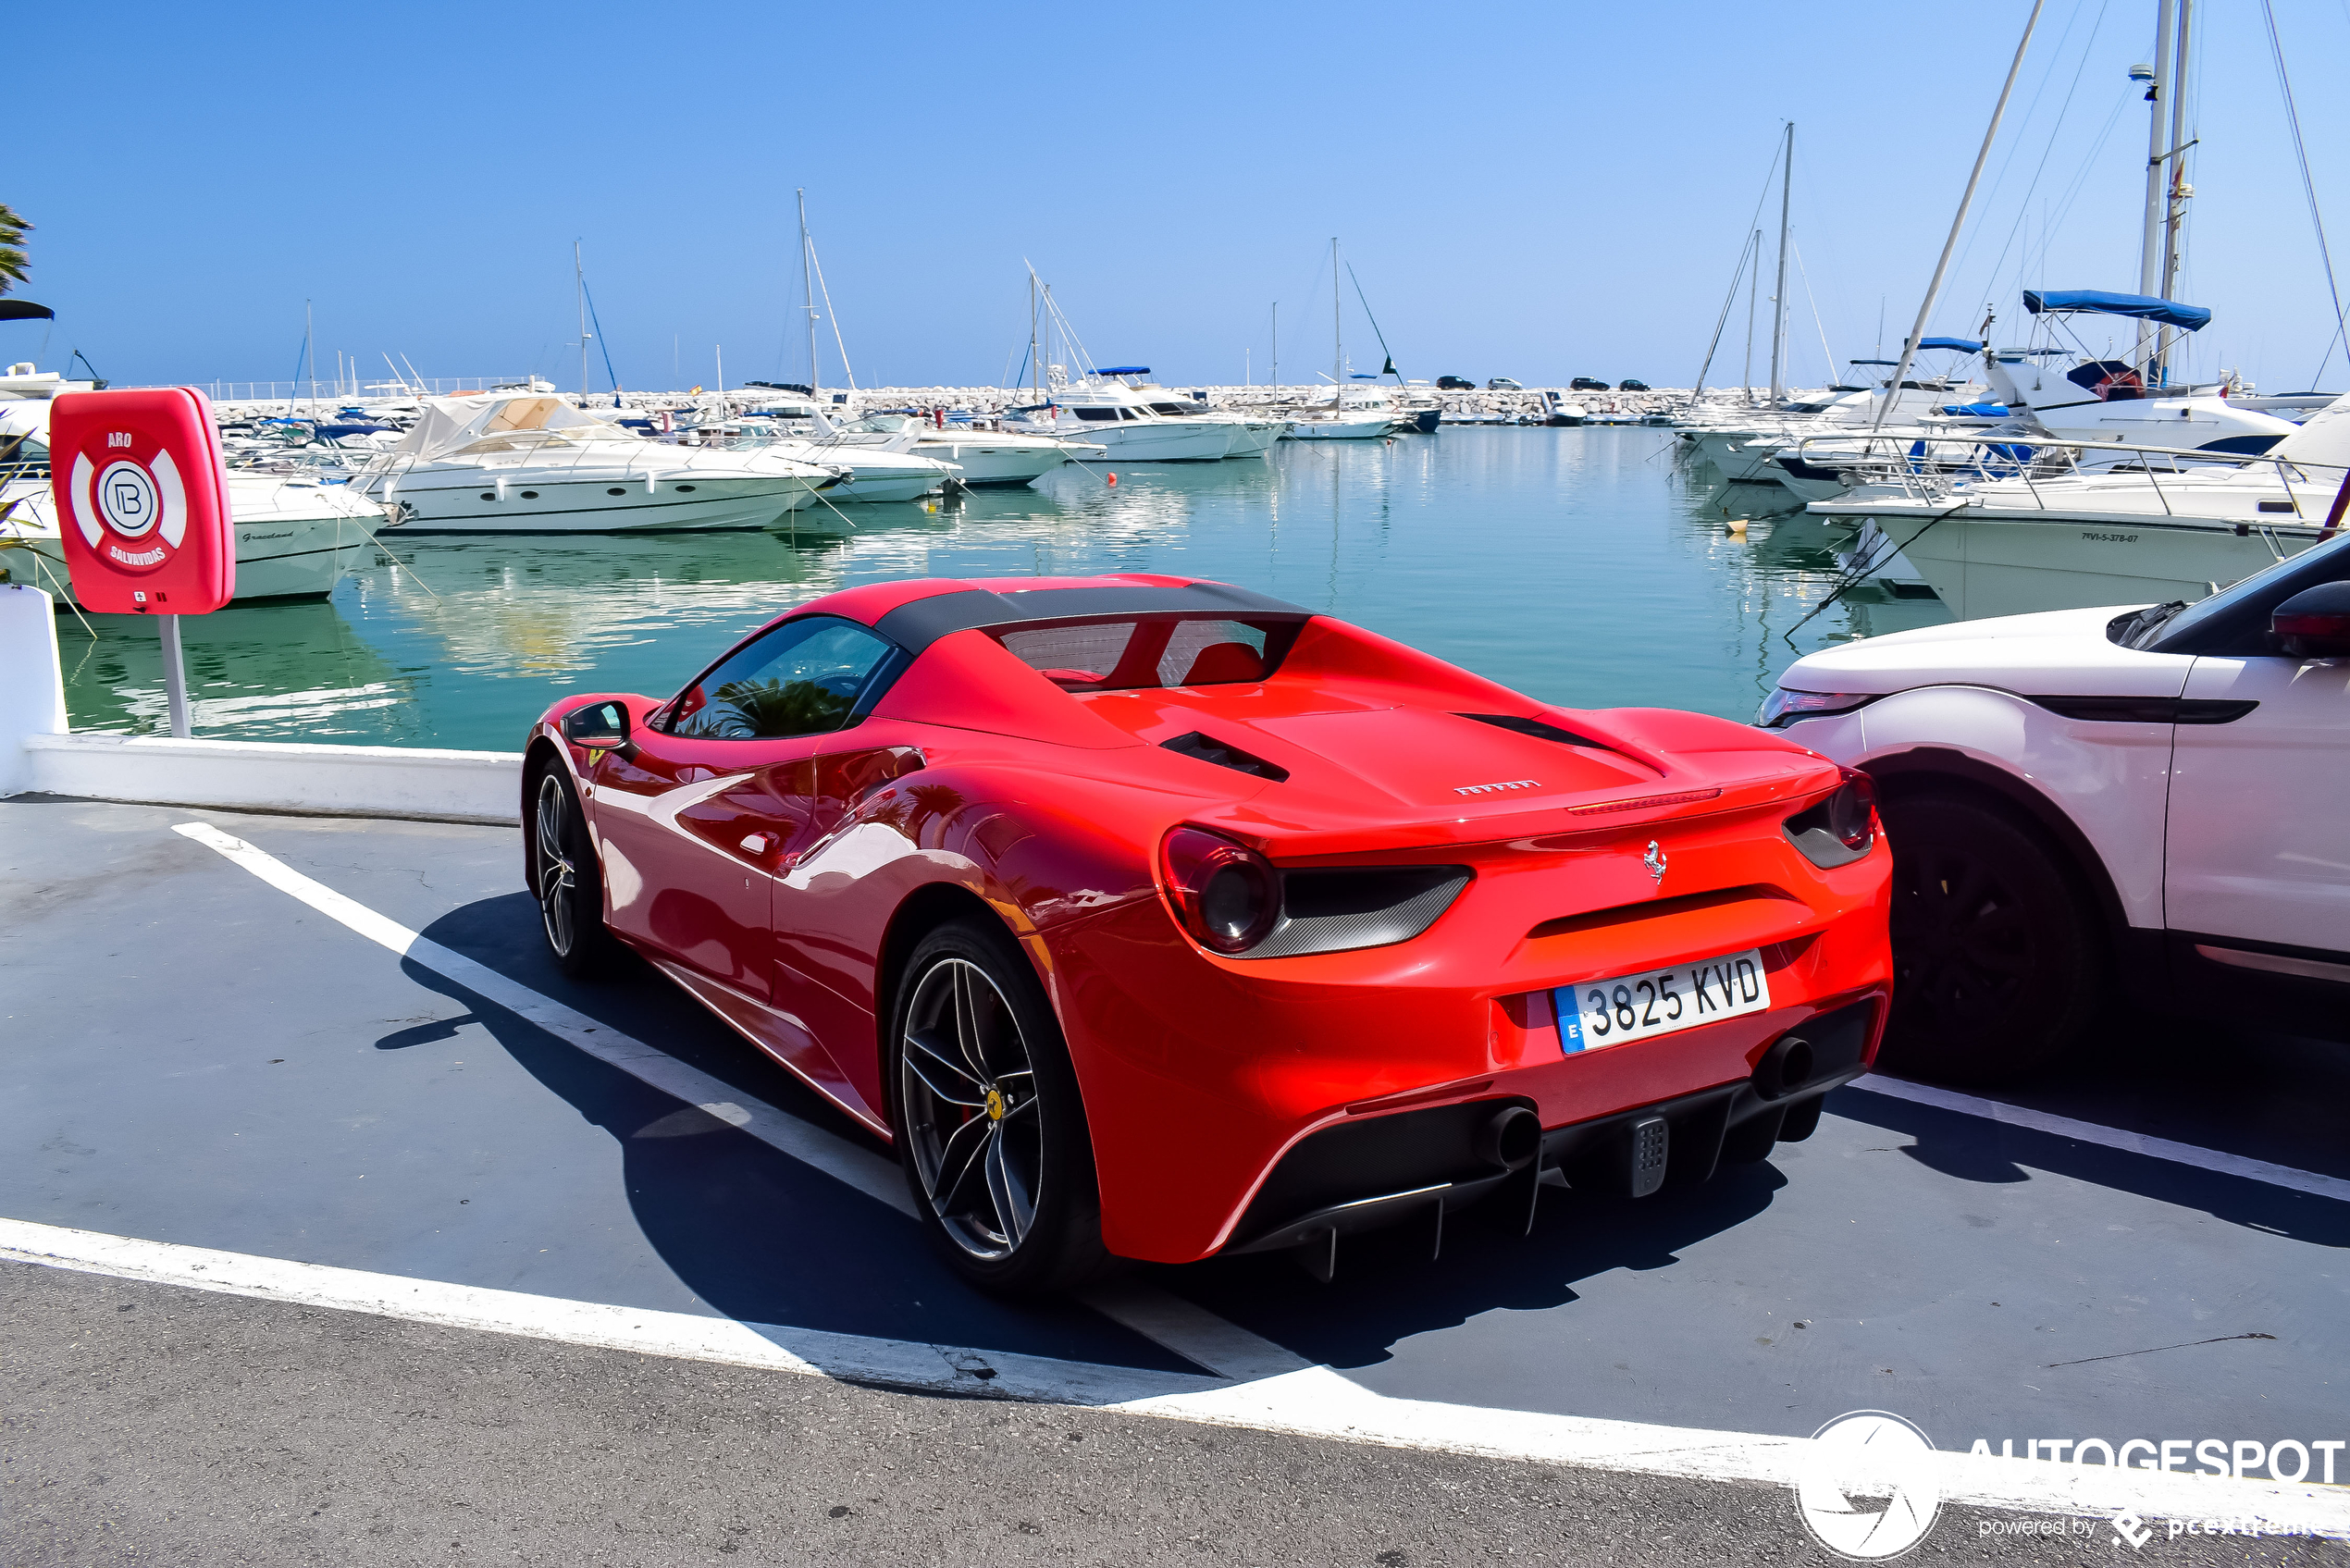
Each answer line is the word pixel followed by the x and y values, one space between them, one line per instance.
pixel 197 1058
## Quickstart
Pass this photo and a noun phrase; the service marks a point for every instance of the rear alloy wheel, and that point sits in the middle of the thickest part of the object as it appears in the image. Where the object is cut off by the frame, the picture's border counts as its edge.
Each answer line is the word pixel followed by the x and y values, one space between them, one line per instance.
pixel 990 1127
pixel 570 890
pixel 1996 963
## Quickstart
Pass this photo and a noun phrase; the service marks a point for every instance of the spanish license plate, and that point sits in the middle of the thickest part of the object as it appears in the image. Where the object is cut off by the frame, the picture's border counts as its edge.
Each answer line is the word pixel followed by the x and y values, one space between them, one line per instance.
pixel 1600 1013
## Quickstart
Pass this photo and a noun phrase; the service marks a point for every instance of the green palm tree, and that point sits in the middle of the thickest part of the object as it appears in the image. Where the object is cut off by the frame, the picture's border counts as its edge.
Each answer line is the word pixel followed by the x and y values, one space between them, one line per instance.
pixel 12 257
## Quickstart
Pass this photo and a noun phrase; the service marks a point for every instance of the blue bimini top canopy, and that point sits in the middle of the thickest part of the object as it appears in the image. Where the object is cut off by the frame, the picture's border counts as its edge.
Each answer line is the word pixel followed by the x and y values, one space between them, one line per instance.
pixel 2146 307
pixel 1123 370
pixel 1964 345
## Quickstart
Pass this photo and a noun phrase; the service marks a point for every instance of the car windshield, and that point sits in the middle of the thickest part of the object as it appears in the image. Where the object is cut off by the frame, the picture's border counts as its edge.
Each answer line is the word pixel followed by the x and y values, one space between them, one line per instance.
pixel 1130 653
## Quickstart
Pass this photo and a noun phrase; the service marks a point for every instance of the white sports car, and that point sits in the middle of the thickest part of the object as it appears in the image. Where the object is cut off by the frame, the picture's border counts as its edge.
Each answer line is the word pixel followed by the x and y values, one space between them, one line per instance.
pixel 2142 796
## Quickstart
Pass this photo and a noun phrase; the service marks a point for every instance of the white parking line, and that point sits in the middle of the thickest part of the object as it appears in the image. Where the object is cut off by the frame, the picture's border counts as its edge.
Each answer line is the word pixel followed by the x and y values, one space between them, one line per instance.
pixel 1313 1401
pixel 2110 1137
pixel 1191 1332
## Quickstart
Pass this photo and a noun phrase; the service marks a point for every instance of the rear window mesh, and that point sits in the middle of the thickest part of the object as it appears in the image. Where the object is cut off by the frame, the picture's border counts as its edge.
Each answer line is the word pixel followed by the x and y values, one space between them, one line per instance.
pixel 1129 652
pixel 1090 652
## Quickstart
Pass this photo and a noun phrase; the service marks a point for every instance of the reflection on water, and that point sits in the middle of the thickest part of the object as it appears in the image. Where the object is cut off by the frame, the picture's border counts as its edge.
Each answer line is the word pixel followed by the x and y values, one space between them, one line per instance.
pixel 1580 565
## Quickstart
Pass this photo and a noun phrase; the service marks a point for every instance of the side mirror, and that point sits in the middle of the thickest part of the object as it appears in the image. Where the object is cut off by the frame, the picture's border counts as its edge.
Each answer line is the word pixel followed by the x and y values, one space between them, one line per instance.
pixel 600 726
pixel 2315 623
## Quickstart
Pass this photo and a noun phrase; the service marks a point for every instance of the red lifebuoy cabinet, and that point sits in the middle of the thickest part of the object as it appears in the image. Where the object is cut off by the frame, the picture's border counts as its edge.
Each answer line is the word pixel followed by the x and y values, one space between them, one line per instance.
pixel 142 501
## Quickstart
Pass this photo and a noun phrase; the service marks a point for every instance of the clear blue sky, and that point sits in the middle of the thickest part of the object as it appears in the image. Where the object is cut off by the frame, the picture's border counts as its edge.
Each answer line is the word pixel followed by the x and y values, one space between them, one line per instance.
pixel 1537 192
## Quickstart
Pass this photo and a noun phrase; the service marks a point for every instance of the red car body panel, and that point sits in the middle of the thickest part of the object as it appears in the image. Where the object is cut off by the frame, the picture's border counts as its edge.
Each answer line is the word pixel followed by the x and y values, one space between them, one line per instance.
pixel 774 878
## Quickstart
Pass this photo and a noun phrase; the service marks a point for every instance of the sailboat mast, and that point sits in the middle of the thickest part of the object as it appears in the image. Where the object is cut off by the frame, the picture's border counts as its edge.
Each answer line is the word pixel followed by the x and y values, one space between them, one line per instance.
pixel 2175 200
pixel 579 291
pixel 1277 346
pixel 310 352
pixel 808 291
pixel 1035 370
pixel 1754 287
pixel 2150 247
pixel 1338 344
pixel 1779 294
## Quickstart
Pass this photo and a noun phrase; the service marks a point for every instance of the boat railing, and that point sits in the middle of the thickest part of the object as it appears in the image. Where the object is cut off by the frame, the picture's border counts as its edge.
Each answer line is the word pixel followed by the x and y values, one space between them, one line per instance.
pixel 1910 462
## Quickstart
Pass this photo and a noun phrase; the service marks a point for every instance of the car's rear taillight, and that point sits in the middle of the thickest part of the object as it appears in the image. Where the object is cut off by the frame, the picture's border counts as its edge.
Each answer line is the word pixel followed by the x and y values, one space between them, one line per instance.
pixel 1839 829
pixel 1227 894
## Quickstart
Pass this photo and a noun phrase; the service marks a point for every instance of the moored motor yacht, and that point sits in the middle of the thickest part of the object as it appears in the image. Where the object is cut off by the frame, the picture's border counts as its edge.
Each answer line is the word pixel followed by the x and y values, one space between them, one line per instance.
pixel 1106 412
pixel 1253 435
pixel 988 458
pixel 533 465
pixel 2109 400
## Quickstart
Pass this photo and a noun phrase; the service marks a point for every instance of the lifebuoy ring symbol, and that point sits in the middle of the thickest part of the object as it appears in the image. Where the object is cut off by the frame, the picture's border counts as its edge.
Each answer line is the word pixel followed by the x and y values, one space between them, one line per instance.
pixel 131 499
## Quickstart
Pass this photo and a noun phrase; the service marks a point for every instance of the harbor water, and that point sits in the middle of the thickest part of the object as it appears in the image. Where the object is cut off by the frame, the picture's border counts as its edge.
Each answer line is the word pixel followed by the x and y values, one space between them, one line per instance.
pixel 1583 566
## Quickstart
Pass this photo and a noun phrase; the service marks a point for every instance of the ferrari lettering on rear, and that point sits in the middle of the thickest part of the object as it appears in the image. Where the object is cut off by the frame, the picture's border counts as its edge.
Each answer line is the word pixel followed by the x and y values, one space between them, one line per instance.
pixel 993 865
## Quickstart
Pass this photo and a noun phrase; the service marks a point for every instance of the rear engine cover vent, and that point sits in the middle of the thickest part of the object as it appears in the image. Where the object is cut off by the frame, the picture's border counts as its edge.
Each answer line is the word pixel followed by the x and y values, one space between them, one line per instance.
pixel 1225 755
pixel 1536 728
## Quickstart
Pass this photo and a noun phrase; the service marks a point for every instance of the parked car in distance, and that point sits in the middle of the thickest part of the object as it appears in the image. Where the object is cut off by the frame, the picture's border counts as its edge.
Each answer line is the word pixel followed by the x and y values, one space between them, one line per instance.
pixel 1154 918
pixel 1454 384
pixel 1631 386
pixel 1587 384
pixel 1503 384
pixel 2088 805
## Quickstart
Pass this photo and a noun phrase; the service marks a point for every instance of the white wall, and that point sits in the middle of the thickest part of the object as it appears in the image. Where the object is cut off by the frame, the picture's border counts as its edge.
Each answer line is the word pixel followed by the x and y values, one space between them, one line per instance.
pixel 356 781
pixel 32 690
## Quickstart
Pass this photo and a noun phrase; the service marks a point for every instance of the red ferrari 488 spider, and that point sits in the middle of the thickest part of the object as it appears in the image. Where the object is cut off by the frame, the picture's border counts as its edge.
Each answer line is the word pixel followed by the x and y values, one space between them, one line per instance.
pixel 1153 918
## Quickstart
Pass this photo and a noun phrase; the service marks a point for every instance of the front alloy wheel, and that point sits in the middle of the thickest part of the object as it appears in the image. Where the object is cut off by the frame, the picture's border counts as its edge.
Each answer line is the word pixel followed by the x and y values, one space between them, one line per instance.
pixel 569 891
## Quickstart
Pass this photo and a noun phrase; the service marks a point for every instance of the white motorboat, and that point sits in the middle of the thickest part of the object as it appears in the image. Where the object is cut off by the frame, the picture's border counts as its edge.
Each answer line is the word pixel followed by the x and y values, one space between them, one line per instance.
pixel 987 458
pixel 1352 420
pixel 871 473
pixel 2175 524
pixel 1253 435
pixel 533 464
pixel 1106 411
pixel 2109 400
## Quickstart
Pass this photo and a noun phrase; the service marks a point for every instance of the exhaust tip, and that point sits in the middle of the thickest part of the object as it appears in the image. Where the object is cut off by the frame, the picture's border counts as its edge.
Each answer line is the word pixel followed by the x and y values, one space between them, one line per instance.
pixel 1785 1068
pixel 1511 1137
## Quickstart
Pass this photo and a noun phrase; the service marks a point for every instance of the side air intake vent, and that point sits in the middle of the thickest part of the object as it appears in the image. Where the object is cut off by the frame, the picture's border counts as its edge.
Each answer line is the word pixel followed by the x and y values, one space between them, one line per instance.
pixel 1536 728
pixel 1224 755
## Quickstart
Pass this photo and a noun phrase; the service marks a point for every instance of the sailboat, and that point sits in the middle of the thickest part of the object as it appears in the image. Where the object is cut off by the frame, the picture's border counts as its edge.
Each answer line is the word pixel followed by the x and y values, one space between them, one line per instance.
pixel 2163 491
pixel 1104 407
pixel 1362 419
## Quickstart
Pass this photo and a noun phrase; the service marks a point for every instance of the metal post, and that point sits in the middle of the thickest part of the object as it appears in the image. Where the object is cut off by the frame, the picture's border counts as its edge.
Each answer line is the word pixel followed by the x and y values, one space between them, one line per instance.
pixel 2150 246
pixel 1778 296
pixel 2175 191
pixel 1958 223
pixel 174 674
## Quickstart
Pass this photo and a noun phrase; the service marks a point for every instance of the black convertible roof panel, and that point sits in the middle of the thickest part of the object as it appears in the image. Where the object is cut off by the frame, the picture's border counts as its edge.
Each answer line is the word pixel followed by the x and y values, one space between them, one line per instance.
pixel 917 626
